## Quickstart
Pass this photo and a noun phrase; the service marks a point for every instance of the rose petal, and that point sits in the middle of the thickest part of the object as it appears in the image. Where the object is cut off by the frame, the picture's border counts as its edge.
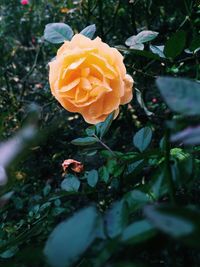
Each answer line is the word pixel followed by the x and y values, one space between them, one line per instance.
pixel 128 94
pixel 70 86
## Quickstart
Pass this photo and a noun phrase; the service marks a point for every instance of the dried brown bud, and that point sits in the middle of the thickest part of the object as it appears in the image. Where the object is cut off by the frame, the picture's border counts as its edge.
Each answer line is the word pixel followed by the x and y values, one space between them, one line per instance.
pixel 71 164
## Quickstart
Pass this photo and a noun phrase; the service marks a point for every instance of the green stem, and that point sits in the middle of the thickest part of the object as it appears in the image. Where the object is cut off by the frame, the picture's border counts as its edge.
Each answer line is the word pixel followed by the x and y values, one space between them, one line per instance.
pixel 104 145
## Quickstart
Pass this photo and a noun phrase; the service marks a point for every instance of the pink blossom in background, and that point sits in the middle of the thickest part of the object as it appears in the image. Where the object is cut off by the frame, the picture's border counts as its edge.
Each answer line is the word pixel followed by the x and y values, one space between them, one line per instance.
pixel 24 2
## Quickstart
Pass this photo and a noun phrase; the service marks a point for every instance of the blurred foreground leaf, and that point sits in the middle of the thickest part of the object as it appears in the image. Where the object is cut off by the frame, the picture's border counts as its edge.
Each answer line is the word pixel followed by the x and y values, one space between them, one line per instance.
pixel 70 239
pixel 136 199
pixel 181 95
pixel 189 136
pixel 116 218
pixel 177 222
pixel 138 232
pixel 10 150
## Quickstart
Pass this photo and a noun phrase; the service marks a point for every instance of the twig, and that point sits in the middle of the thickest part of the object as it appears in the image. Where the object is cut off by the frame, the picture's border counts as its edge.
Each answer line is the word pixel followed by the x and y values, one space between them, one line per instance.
pixel 34 64
pixel 143 73
pixel 187 59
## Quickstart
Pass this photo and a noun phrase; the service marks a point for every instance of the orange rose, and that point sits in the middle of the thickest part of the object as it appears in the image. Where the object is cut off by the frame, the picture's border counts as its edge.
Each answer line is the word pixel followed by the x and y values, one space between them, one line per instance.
pixel 89 77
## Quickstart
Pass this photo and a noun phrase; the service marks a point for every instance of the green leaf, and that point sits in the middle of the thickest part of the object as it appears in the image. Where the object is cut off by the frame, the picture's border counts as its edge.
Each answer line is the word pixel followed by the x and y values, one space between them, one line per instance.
pixel 138 232
pixel 137 46
pixel 103 253
pixel 158 50
pixel 70 239
pixel 46 190
pixel 103 127
pixel 182 167
pixel 89 31
pixel 85 141
pixel 142 138
pixel 195 44
pixel 143 53
pixel 57 33
pixel 90 131
pixel 104 174
pixel 130 41
pixel 133 168
pixel 92 178
pixel 9 253
pixel 5 197
pixel 142 37
pixel 158 185
pixel 141 102
pixel 118 170
pixel 111 165
pixel 145 36
pixel 70 184
pixel 116 219
pixel 175 44
pixel 181 95
pixel 181 223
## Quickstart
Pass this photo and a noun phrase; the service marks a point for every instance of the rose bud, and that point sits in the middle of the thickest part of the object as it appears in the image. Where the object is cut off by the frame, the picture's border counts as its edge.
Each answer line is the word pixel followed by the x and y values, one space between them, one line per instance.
pixel 71 164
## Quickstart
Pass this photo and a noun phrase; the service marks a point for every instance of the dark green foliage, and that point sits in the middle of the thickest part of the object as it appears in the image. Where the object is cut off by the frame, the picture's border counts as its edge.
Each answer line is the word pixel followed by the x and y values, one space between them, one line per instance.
pixel 136 203
pixel 175 45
